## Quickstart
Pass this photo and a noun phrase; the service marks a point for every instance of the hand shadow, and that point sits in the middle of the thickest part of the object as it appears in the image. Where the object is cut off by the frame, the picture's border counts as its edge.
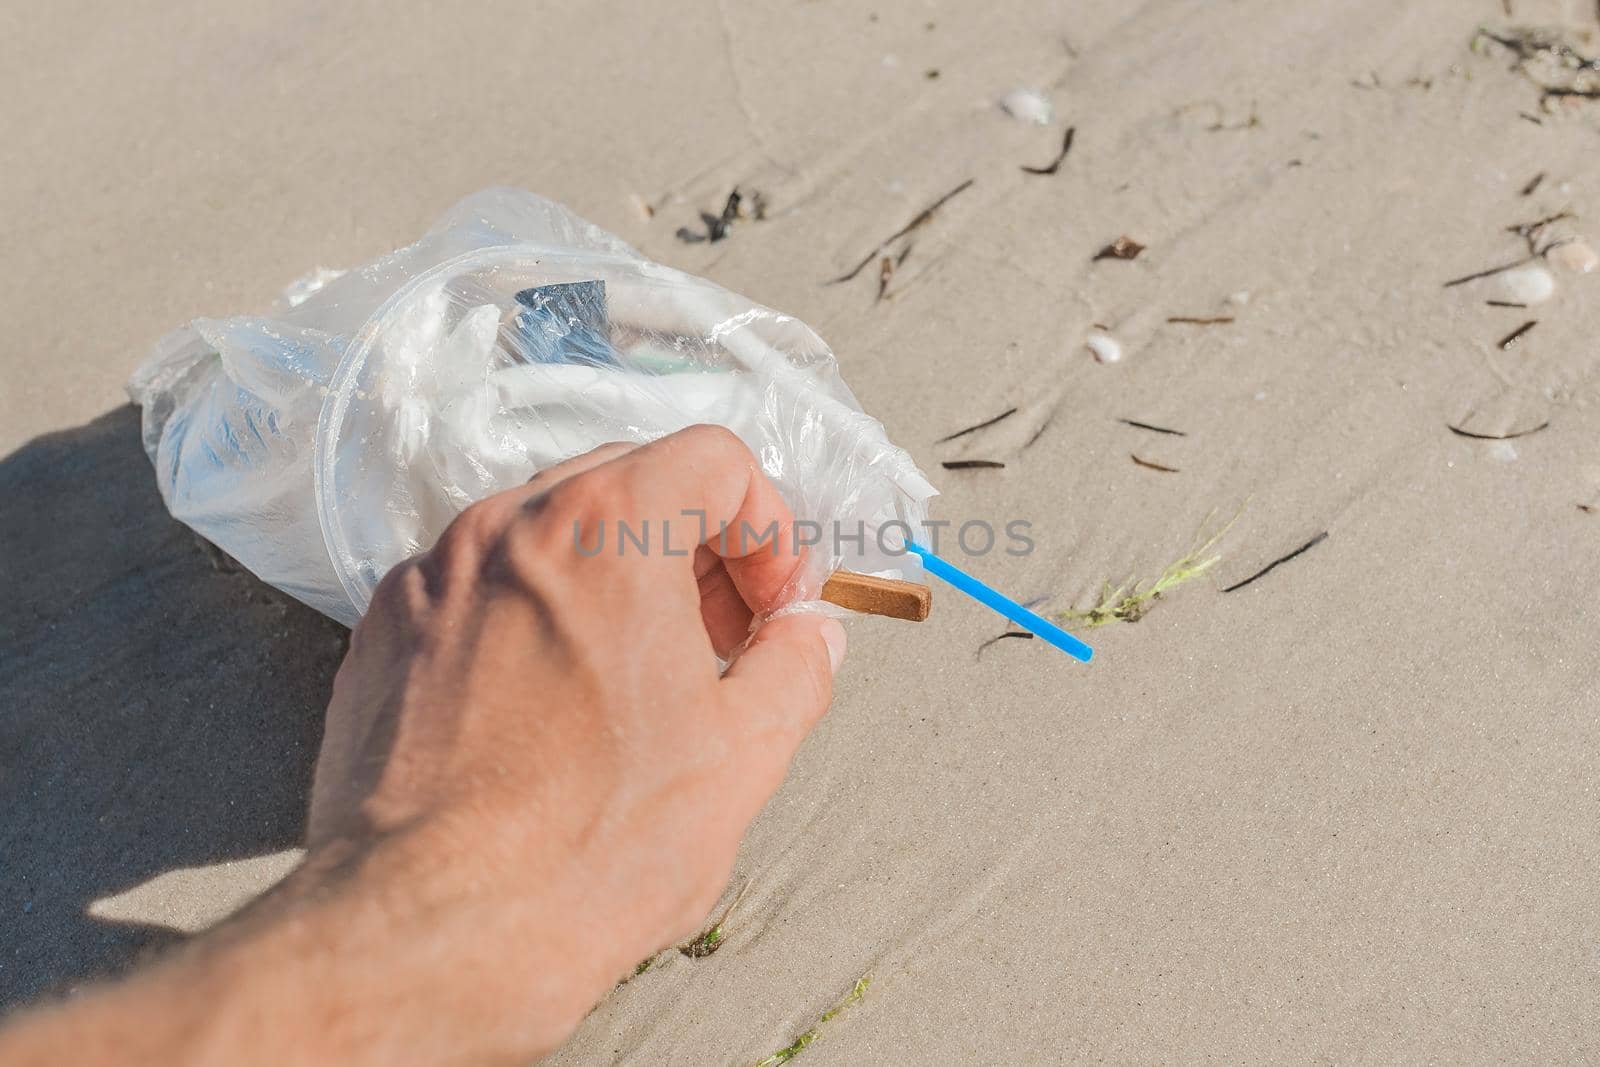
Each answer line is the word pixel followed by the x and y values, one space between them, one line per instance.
pixel 159 706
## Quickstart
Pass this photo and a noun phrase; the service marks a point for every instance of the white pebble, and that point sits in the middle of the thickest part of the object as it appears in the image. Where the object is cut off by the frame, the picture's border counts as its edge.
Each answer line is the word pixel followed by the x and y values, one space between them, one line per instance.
pixel 1028 105
pixel 1504 451
pixel 1532 284
pixel 1241 298
pixel 1575 255
pixel 1106 348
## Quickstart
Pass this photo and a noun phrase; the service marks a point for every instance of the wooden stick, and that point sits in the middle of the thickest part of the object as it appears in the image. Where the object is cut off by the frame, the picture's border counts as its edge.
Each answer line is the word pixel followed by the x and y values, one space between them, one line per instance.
pixel 870 595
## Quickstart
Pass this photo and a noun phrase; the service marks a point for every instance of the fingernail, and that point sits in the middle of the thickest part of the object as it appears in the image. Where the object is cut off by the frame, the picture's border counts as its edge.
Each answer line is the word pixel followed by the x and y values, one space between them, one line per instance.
pixel 833 635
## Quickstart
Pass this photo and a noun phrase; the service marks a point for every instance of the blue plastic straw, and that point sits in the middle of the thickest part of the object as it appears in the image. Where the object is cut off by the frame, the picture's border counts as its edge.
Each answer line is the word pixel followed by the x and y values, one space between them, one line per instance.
pixel 1003 604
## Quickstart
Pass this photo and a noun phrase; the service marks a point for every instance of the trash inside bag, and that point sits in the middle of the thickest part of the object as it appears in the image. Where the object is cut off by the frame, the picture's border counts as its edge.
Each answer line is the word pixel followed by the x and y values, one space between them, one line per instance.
pixel 323 443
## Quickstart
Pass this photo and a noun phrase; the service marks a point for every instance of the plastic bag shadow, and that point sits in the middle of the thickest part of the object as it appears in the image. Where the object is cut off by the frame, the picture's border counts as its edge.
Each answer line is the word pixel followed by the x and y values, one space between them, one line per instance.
pixel 159 707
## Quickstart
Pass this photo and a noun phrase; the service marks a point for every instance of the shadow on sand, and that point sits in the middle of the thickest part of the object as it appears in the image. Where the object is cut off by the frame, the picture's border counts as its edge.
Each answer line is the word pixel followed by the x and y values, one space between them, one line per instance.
pixel 158 707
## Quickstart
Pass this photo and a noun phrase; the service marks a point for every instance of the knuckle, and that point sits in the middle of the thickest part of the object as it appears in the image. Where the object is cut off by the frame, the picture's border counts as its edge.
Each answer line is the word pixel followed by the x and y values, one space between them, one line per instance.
pixel 608 495
pixel 574 507
pixel 718 440
pixel 478 526
pixel 404 588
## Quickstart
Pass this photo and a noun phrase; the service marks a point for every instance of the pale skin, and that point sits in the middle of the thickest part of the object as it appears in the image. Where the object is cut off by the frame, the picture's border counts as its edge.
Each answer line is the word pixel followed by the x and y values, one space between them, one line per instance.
pixel 532 777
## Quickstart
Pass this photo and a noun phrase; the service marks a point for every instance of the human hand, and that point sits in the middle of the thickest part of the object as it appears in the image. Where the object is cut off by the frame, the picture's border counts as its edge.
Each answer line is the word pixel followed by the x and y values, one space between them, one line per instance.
pixel 532 777
pixel 541 736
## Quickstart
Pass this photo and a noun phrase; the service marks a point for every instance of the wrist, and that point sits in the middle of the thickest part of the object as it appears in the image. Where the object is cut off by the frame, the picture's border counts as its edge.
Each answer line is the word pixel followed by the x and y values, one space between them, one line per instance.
pixel 398 955
pixel 354 959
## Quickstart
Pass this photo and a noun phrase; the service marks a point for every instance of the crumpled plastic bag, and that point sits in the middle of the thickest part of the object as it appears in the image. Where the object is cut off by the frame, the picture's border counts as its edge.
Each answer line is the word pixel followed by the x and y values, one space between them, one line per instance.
pixel 323 443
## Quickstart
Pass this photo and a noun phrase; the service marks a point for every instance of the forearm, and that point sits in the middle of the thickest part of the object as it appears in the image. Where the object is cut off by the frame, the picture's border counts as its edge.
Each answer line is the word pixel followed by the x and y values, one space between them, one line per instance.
pixel 344 969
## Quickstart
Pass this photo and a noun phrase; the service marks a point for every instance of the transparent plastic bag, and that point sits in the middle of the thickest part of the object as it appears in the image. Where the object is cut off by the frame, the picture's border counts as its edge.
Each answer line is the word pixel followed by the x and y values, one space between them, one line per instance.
pixel 326 442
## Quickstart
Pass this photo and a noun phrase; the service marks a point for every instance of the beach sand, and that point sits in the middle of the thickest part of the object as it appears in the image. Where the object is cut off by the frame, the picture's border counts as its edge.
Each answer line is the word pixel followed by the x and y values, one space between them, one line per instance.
pixel 1345 813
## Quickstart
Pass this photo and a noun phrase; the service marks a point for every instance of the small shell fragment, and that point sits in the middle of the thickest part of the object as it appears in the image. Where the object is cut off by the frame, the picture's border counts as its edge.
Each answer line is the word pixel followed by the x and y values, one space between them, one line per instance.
pixel 1530 285
pixel 1574 255
pixel 1123 247
pixel 1106 349
pixel 1028 105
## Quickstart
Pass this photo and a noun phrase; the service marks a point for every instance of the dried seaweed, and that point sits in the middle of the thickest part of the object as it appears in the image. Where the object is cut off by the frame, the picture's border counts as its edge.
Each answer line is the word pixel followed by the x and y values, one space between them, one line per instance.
pixel 1152 428
pixel 703 944
pixel 1491 272
pixel 1043 426
pixel 1123 247
pixel 1055 164
pixel 737 207
pixel 1129 601
pixel 922 219
pixel 1153 466
pixel 1275 564
pixel 707 941
pixel 1516 335
pixel 1534 44
pixel 1531 231
pixel 1459 432
pixel 639 968
pixel 1023 634
pixel 984 425
pixel 1548 62
pixel 805 1040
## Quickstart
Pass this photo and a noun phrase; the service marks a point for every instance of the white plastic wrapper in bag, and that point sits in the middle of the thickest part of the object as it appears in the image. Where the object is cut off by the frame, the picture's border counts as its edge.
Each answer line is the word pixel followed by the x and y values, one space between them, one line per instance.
pixel 324 443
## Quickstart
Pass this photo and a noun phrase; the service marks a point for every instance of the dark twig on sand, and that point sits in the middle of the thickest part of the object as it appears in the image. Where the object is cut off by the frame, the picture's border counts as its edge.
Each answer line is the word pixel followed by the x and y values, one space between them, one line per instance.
pixel 1516 335
pixel 1153 429
pixel 1504 304
pixel 1528 190
pixel 1188 320
pixel 922 219
pixel 1153 466
pixel 1280 561
pixel 1527 45
pixel 1459 432
pixel 1581 94
pixel 1561 61
pixel 972 465
pixel 984 425
pixel 1043 426
pixel 1530 231
pixel 1491 272
pixel 1055 164
pixel 1022 634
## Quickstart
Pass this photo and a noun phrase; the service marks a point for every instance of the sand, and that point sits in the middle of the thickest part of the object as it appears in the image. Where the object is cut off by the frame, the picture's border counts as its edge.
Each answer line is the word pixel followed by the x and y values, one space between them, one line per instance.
pixel 1347 812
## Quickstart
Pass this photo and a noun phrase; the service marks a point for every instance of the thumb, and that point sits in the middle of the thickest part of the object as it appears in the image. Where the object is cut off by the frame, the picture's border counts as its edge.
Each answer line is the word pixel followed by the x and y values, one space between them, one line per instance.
pixel 783 680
